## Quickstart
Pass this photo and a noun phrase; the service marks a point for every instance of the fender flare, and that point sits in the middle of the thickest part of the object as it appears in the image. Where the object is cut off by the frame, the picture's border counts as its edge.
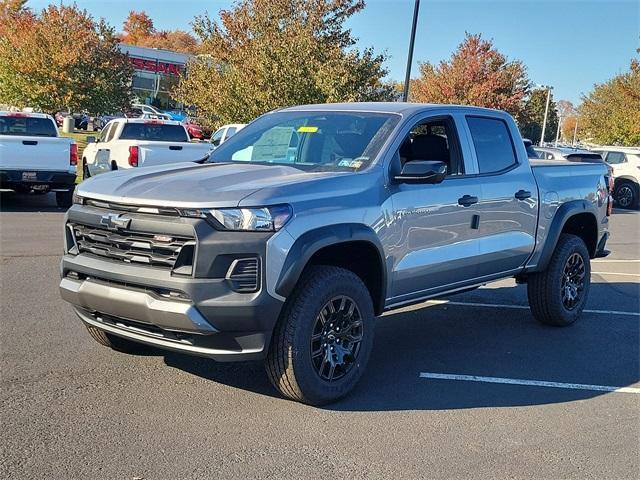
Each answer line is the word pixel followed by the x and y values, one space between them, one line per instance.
pixel 314 240
pixel 560 218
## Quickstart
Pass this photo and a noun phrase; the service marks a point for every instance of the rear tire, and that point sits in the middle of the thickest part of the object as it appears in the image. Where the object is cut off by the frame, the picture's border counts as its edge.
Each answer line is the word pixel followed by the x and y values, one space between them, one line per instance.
pixel 309 359
pixel 113 341
pixel 626 194
pixel 557 296
pixel 64 199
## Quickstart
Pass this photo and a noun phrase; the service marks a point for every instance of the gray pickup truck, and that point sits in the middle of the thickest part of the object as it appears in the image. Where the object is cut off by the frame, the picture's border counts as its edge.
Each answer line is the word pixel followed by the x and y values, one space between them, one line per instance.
pixel 296 233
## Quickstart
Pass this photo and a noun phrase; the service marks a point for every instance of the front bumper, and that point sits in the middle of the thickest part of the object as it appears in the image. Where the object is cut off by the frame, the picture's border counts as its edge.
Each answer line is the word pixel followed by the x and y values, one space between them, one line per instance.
pixel 200 314
pixel 26 180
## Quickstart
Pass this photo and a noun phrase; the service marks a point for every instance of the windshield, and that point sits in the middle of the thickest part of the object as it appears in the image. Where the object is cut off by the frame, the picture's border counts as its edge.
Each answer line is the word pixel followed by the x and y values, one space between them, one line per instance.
pixel 28 126
pixel 311 141
pixel 156 132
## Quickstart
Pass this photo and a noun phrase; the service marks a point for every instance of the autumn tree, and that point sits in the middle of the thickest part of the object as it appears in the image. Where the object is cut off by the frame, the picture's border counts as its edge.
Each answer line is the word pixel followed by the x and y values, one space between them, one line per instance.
pixel 476 74
pixel 62 59
pixel 610 114
pixel 266 54
pixel 531 118
pixel 137 27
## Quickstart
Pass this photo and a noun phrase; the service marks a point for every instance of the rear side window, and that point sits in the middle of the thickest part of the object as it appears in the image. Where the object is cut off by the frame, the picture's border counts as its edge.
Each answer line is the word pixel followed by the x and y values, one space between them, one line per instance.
pixel 156 132
pixel 615 158
pixel 28 126
pixel 493 144
pixel 231 132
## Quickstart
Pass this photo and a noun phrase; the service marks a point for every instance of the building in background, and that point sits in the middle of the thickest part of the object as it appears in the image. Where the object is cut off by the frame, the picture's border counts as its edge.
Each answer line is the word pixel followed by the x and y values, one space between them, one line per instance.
pixel 156 73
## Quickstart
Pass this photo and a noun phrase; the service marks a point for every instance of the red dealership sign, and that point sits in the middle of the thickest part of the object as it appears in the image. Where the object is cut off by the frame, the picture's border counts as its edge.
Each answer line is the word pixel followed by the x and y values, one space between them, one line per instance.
pixel 156 66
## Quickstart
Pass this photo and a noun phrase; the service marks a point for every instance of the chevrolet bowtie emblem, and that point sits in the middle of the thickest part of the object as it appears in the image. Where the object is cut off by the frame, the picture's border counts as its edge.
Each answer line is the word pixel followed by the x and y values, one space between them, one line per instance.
pixel 113 221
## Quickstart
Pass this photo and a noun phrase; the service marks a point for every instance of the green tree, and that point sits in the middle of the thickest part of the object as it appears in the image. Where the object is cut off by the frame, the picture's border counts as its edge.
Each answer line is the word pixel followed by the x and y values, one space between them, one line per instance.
pixel 266 54
pixel 531 118
pixel 610 114
pixel 62 59
pixel 476 74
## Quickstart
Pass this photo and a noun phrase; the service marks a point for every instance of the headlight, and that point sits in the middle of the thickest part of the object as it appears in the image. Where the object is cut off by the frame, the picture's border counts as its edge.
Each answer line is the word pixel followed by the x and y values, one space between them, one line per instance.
pixel 255 219
pixel 77 199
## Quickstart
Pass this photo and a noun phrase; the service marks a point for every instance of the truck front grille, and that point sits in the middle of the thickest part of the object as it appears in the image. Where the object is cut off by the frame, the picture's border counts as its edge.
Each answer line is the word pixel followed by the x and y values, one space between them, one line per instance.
pixel 134 247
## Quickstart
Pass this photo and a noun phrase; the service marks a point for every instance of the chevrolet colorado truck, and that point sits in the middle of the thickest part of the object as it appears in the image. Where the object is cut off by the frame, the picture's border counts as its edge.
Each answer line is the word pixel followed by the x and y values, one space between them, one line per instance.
pixel 34 158
pixel 313 220
pixel 139 142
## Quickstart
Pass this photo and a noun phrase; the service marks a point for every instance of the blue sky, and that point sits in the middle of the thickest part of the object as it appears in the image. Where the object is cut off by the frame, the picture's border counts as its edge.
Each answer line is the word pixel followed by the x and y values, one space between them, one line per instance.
pixel 568 44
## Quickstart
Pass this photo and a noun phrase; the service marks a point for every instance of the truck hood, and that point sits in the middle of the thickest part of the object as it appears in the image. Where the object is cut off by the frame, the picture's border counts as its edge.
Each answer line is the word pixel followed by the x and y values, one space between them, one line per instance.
pixel 192 185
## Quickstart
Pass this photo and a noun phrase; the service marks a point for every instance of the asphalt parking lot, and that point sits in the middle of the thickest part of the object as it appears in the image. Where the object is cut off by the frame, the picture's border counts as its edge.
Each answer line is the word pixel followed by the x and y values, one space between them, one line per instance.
pixel 471 387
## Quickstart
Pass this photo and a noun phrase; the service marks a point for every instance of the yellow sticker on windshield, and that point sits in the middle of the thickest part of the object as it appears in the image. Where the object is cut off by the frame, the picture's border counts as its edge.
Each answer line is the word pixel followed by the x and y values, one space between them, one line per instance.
pixel 307 129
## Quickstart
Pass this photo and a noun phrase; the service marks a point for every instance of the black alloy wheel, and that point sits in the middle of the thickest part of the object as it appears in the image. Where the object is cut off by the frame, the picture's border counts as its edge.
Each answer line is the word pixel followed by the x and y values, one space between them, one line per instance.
pixel 336 339
pixel 573 281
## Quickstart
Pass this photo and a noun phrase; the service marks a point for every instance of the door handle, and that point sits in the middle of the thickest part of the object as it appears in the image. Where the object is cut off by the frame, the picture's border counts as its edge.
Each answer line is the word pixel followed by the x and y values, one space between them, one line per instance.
pixel 29 142
pixel 523 194
pixel 467 200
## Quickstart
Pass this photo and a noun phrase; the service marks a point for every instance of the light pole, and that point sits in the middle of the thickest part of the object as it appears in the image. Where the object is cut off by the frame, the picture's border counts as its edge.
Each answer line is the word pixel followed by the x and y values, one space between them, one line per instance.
pixel 575 131
pixel 558 130
pixel 407 78
pixel 546 110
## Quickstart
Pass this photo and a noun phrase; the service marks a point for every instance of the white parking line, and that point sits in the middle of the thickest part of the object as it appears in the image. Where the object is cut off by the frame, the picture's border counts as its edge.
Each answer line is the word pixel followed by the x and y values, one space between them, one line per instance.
pixel 617 273
pixel 531 383
pixel 521 307
pixel 614 261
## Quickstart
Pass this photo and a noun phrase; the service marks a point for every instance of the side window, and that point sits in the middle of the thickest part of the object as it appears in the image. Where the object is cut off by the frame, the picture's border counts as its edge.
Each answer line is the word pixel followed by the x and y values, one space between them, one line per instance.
pixel 231 131
pixel 493 144
pixel 615 158
pixel 112 132
pixel 433 140
pixel 105 132
pixel 216 138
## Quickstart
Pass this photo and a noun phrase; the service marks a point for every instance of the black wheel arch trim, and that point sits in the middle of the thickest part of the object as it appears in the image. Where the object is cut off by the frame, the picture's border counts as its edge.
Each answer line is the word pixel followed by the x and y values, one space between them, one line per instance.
pixel 562 215
pixel 311 242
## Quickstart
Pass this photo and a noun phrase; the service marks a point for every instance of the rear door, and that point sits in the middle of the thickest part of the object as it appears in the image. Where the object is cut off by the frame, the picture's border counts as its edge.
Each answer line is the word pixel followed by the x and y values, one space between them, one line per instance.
pixel 508 206
pixel 32 143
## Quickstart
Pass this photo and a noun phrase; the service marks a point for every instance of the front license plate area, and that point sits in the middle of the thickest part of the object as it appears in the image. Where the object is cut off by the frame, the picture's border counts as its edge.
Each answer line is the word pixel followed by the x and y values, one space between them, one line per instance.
pixel 29 176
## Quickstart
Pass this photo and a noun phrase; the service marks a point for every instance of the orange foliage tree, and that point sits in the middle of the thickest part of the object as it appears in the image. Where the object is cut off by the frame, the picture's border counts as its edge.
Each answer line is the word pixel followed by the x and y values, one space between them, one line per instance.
pixel 476 74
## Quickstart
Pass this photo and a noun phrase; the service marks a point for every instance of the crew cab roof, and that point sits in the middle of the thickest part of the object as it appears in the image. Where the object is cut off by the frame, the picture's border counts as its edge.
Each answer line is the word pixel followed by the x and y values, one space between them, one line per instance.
pixel 24 114
pixel 402 108
pixel 156 121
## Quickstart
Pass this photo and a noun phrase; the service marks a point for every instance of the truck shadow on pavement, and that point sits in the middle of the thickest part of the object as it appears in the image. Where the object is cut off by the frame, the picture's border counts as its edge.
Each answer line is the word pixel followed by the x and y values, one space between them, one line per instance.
pixel 20 202
pixel 599 349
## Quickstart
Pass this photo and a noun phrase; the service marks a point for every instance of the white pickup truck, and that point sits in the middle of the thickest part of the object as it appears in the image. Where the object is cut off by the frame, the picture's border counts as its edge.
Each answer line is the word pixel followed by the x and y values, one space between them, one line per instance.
pixel 134 142
pixel 34 158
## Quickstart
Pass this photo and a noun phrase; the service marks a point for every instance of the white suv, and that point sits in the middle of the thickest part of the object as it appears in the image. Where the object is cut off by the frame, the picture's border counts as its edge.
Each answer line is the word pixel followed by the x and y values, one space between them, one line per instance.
pixel 625 162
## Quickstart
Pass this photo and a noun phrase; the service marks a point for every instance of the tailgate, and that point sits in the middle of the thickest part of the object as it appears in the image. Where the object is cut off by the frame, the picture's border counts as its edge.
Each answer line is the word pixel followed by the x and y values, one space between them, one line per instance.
pixel 34 153
pixel 162 153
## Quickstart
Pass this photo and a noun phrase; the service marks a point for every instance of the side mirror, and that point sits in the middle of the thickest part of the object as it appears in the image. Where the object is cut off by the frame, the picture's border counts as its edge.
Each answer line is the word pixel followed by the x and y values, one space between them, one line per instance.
pixel 422 171
pixel 91 139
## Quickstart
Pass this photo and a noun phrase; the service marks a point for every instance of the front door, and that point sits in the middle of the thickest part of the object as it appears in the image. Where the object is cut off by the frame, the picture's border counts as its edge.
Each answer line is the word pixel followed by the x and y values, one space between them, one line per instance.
pixel 433 245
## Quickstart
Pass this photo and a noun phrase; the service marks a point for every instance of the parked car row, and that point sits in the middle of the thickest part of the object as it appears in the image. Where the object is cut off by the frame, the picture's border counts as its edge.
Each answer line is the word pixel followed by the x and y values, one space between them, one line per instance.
pixel 34 158
pixel 623 164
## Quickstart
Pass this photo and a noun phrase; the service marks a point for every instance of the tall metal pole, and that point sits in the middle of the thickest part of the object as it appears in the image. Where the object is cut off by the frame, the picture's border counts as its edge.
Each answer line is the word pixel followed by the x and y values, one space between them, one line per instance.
pixel 407 78
pixel 558 131
pixel 546 111
pixel 575 131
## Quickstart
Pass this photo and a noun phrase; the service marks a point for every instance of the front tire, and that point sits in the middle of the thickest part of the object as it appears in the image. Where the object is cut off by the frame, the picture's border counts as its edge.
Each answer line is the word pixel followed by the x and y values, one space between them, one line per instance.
pixel 324 337
pixel 626 194
pixel 64 199
pixel 557 296
pixel 113 341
